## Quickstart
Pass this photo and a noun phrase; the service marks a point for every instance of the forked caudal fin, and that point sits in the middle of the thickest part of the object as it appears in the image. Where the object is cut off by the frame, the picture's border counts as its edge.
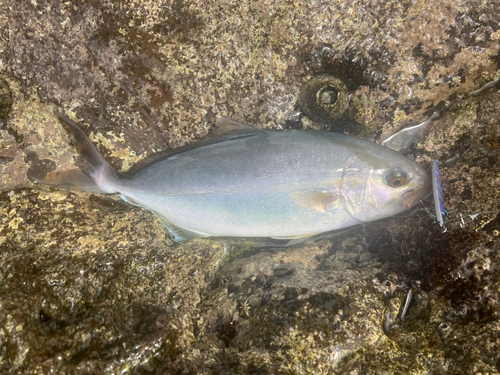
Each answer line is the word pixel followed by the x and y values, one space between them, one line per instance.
pixel 95 175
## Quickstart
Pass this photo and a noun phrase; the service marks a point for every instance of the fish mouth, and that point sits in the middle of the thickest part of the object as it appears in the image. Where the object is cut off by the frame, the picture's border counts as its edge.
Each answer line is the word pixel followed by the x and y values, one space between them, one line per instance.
pixel 412 197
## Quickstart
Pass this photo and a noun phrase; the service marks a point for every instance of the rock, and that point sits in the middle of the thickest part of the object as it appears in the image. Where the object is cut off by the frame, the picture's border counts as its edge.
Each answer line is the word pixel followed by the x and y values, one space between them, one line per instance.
pixel 91 285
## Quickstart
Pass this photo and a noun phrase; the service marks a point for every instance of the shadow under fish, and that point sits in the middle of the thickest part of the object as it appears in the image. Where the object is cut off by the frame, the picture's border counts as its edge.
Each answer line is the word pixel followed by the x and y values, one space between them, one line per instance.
pixel 243 181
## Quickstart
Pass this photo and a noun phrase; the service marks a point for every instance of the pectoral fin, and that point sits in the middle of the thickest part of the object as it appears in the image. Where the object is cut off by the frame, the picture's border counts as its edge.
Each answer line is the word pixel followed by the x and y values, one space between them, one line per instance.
pixel 314 199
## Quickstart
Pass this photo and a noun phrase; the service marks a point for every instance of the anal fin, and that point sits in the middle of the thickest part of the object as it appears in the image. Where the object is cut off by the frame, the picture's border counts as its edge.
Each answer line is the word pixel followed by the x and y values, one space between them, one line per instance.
pixel 180 233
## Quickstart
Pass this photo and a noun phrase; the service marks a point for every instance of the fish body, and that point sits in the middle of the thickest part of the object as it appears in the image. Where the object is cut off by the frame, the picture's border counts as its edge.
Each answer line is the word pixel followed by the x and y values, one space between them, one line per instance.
pixel 257 183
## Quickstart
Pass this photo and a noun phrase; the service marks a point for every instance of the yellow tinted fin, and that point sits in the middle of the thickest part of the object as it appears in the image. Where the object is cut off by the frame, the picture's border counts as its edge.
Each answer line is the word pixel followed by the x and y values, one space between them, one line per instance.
pixel 314 199
pixel 73 179
pixel 95 162
pixel 95 176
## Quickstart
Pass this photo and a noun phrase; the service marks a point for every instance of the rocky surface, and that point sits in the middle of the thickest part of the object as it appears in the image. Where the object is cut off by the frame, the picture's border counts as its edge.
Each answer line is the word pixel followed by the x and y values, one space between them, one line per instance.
pixel 91 285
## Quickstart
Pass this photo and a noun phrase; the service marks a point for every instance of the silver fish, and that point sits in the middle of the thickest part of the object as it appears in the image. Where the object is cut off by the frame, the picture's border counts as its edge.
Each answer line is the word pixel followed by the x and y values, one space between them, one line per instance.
pixel 250 182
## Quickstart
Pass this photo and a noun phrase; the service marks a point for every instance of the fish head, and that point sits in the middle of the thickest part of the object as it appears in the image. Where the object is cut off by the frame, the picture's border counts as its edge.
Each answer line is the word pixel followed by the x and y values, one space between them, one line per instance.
pixel 379 182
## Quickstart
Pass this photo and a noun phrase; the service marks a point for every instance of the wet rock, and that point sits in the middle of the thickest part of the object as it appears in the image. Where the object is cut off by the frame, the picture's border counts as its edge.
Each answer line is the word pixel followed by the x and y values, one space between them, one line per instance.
pixel 90 286
pixel 5 99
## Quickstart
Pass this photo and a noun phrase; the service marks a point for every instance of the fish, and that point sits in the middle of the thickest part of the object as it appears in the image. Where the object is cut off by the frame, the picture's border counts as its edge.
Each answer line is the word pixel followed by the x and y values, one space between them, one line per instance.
pixel 244 181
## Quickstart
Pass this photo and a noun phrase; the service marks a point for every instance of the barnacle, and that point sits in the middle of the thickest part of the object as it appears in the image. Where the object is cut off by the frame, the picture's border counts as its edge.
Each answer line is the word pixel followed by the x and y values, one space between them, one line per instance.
pixel 327 100
pixel 444 330
pixel 323 99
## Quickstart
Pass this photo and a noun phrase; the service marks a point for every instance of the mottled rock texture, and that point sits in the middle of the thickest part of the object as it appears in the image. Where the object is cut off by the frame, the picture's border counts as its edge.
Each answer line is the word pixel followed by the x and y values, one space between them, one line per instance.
pixel 90 285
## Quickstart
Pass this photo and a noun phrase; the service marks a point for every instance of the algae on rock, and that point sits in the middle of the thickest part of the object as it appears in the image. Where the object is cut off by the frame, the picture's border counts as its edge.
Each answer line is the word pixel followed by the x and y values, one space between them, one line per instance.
pixel 94 286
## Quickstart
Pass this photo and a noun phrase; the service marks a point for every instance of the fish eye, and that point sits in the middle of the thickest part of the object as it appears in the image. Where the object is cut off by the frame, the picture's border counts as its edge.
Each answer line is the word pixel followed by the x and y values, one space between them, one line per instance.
pixel 395 178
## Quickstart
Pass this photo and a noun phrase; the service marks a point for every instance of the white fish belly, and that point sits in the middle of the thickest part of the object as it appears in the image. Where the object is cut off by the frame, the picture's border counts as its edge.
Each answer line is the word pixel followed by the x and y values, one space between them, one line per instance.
pixel 248 215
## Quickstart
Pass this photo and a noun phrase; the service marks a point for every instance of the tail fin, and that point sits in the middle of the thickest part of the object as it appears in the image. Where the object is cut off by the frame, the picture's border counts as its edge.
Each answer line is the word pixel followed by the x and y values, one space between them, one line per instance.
pixel 95 175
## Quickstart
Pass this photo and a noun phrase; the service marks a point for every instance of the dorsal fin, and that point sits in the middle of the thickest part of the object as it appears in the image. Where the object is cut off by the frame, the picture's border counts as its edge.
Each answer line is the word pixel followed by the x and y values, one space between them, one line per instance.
pixel 225 129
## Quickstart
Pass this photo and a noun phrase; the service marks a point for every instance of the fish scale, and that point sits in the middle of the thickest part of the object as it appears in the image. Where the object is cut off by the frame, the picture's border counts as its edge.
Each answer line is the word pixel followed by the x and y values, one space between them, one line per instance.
pixel 249 182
